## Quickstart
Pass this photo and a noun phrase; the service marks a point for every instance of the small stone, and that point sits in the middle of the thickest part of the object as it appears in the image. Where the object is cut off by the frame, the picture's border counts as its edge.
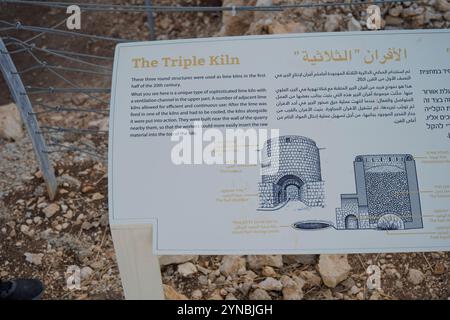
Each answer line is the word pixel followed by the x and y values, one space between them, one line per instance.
pixel 292 293
pixel 348 283
pixel 258 262
pixel 203 280
pixel 259 294
pixel 439 268
pixel 333 269
pixel 277 28
pixel 167 260
pixel 85 273
pixel 393 21
pixel 232 265
pixel 411 12
pixel 87 189
pixel 215 295
pixel 230 296
pixel 86 225
pixel 292 290
pixel 268 272
pixel 354 25
pixel 24 229
pixel 304 259
pixel 415 276
pixel 429 16
pixel 442 5
pixel 270 284
pixel 10 123
pixel 171 294
pixel 395 11
pixel 287 281
pixel 249 274
pixel 68 215
pixel 295 27
pixel 311 278
pixel 196 294
pixel 97 196
pixel 186 269
pixel 332 22
pixel 79 99
pixel 64 208
pixel 71 181
pixel 375 296
pixel 51 210
pixel 34 258
pixel 354 290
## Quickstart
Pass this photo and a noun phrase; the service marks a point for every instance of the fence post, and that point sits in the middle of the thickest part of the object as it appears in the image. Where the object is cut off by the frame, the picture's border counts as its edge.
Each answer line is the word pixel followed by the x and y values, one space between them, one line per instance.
pixel 23 103
pixel 150 19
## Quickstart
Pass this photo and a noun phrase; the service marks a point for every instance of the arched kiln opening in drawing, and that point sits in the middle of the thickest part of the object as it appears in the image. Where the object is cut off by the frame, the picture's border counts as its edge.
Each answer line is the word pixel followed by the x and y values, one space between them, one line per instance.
pixel 290 171
pixel 390 222
pixel 351 222
pixel 290 188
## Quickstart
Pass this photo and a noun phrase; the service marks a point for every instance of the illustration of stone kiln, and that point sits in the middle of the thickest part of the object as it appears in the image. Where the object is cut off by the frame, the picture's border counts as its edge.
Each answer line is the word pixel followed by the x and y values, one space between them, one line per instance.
pixel 290 170
pixel 387 195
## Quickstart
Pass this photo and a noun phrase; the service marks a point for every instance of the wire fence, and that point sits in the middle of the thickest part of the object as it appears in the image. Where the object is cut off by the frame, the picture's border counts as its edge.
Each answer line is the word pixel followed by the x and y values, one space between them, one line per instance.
pixel 37 101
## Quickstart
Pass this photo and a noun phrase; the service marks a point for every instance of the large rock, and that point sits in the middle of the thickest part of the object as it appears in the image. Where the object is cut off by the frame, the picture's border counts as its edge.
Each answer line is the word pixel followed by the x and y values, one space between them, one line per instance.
pixel 333 268
pixel 10 122
pixel 166 260
pixel 258 262
pixel 232 265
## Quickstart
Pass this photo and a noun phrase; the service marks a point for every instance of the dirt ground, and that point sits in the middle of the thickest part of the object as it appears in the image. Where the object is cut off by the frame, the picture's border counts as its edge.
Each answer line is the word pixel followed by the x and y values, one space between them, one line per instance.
pixel 42 238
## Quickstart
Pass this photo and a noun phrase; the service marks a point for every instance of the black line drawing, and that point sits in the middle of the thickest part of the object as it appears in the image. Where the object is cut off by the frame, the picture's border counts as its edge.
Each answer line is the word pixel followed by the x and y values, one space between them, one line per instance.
pixel 290 171
pixel 387 195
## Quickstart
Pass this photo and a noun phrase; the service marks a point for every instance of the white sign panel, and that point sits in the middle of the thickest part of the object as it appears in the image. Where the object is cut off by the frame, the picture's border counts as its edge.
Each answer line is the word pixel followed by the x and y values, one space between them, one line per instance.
pixel 305 143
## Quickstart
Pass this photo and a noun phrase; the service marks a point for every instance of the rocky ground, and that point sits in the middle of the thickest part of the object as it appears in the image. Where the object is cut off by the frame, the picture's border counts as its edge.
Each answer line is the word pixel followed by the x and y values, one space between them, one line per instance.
pixel 43 238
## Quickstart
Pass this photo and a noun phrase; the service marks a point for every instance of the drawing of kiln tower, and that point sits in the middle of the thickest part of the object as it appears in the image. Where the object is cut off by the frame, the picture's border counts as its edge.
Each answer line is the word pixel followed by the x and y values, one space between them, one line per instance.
pixel 290 171
pixel 387 195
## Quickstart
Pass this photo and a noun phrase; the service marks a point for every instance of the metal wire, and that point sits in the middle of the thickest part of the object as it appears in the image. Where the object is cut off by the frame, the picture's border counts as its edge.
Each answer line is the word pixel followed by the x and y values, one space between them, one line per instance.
pixel 68 109
pixel 20 26
pixel 73 149
pixel 144 8
pixel 60 55
pixel 74 130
